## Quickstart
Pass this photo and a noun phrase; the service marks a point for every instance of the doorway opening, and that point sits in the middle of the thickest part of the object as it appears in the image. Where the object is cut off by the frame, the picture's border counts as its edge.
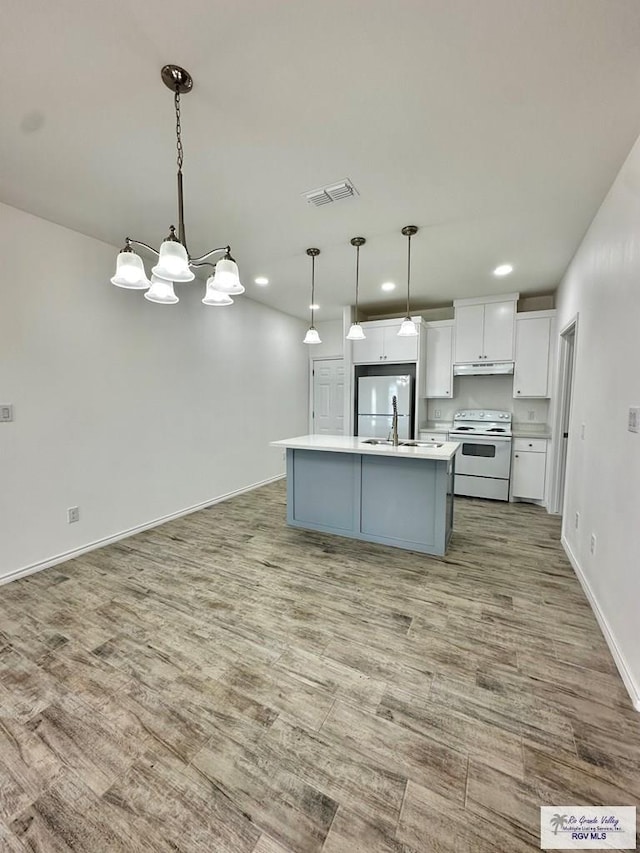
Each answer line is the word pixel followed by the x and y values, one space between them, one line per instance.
pixel 326 414
pixel 563 420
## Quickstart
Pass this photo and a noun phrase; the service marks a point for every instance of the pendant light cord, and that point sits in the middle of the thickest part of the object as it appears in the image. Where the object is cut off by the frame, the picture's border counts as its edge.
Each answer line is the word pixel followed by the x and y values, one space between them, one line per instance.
pixel 313 287
pixel 408 274
pixel 357 277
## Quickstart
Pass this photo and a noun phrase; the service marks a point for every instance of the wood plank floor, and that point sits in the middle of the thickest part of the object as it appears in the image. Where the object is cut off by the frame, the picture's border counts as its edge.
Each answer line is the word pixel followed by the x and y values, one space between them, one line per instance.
pixel 224 683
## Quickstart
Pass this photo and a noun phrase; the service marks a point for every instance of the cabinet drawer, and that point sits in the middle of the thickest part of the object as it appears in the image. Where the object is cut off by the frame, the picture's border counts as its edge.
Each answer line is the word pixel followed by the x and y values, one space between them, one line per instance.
pixel 535 445
pixel 432 436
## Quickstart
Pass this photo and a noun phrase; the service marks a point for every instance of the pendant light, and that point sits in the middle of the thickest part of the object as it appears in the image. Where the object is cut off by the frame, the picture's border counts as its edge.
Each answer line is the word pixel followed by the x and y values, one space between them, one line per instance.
pixel 408 328
pixel 175 264
pixel 355 332
pixel 312 336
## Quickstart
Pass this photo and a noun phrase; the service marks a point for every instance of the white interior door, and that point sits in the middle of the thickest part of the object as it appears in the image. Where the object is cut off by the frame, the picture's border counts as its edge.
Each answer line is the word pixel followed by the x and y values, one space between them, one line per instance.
pixel 568 345
pixel 328 396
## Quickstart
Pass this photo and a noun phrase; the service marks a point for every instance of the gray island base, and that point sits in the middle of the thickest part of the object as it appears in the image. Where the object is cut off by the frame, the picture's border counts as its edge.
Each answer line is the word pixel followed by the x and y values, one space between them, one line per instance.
pixel 399 496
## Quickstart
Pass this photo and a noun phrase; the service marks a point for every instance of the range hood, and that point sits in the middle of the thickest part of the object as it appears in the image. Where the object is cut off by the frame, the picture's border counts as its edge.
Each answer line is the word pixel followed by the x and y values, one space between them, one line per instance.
pixel 482 368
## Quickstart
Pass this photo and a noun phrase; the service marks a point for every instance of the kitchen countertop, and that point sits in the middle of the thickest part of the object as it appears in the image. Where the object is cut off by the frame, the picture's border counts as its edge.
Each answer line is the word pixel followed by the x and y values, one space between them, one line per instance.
pixel 355 444
pixel 531 431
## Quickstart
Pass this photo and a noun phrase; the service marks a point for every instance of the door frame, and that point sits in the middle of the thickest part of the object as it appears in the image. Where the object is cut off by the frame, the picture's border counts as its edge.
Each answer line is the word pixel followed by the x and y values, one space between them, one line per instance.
pixel 564 392
pixel 312 363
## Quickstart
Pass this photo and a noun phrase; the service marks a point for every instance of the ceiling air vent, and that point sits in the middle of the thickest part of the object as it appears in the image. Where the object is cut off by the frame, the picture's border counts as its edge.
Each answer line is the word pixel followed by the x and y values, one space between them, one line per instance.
pixel 330 193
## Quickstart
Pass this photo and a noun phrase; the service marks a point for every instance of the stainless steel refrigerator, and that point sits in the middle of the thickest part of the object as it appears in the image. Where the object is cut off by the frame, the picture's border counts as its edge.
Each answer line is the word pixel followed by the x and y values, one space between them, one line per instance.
pixel 375 408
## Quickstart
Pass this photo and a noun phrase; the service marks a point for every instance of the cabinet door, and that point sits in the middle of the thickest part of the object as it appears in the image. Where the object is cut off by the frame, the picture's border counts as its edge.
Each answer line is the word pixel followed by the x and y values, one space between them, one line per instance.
pixel 372 348
pixel 499 322
pixel 439 361
pixel 531 373
pixel 527 475
pixel 469 332
pixel 399 349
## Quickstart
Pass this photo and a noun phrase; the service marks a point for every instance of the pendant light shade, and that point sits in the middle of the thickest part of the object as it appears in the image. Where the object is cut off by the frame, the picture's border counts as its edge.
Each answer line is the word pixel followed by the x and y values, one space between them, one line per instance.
pixel 130 271
pixel 356 333
pixel 173 263
pixel 215 297
pixel 161 291
pixel 312 336
pixel 226 278
pixel 408 328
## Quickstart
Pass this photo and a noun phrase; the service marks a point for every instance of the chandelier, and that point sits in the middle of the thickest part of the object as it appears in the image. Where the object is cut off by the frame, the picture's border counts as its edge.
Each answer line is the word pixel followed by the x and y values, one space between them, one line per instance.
pixel 175 265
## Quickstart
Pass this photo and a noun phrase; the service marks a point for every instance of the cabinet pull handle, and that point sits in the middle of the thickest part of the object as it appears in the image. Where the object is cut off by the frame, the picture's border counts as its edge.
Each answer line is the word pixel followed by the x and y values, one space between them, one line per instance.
pixel 517 456
pixel 518 392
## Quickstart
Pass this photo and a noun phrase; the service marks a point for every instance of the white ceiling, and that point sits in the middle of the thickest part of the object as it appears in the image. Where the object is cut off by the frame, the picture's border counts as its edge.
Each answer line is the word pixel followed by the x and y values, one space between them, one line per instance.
pixel 496 126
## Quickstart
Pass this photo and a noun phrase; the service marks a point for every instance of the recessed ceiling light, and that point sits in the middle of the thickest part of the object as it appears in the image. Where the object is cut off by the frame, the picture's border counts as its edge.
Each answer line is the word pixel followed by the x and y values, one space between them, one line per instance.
pixel 388 285
pixel 261 280
pixel 503 269
pixel 313 307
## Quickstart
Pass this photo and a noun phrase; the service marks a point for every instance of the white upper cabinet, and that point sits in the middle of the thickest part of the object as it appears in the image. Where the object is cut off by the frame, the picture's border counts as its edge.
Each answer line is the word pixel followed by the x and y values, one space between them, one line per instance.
pixel 382 343
pixel 533 345
pixel 484 328
pixel 439 369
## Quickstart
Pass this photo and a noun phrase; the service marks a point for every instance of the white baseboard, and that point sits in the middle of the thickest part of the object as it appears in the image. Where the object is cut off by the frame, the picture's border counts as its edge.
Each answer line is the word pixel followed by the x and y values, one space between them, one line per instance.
pixel 124 534
pixel 618 657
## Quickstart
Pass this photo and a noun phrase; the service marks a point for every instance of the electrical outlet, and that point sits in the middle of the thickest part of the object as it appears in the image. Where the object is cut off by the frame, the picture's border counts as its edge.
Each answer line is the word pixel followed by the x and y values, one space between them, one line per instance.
pixel 532 415
pixel 6 412
pixel 592 543
pixel 73 514
pixel 583 430
pixel 437 414
pixel 634 419
pixel 577 520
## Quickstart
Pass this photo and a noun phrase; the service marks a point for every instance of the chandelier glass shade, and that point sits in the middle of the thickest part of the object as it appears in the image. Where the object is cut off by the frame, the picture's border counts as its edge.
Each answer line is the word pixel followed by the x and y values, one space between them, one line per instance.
pixel 312 336
pixel 130 271
pixel 161 291
pixel 214 296
pixel 226 278
pixel 175 264
pixel 408 329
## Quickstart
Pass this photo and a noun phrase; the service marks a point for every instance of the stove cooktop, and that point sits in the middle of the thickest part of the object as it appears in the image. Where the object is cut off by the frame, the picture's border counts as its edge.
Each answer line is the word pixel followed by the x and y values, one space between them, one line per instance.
pixel 482 422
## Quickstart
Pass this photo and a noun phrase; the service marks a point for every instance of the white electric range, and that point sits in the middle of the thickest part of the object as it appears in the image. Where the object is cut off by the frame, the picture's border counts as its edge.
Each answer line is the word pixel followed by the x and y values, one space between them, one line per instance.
pixel 483 460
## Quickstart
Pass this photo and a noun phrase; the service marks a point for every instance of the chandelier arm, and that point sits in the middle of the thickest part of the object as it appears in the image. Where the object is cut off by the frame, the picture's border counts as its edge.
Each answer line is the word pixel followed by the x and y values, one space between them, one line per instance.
pixel 145 245
pixel 202 264
pixel 196 261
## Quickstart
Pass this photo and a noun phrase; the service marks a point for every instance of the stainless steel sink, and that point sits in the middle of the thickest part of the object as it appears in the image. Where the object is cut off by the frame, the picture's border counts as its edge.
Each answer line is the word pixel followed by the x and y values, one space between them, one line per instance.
pixel 431 444
pixel 388 442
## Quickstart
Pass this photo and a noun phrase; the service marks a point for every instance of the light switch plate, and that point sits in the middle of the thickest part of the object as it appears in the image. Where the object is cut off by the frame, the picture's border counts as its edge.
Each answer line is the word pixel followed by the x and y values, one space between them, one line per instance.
pixel 6 412
pixel 634 419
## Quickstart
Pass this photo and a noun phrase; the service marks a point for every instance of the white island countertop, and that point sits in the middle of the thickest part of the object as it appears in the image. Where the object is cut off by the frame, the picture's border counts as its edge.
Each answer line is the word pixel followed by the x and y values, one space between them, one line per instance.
pixel 355 444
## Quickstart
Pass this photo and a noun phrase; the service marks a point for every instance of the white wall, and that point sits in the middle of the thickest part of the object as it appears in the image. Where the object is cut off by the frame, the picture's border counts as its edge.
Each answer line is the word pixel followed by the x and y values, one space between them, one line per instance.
pixel 602 286
pixel 332 338
pixel 488 392
pixel 130 410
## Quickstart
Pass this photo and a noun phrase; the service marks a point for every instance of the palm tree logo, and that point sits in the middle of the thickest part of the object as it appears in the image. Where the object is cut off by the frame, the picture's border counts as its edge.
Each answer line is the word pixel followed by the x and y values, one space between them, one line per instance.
pixel 557 821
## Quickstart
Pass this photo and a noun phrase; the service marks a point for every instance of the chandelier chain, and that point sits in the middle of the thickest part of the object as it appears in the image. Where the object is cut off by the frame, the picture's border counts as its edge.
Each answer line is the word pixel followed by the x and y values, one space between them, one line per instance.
pixel 180 150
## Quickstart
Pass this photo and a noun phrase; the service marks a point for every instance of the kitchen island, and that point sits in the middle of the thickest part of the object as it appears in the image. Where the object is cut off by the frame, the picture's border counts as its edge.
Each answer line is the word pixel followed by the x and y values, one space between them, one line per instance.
pixel 400 496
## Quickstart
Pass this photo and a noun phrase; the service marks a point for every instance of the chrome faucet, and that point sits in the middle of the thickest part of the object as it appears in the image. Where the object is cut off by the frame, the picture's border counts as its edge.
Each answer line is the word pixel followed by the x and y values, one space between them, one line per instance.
pixel 394 422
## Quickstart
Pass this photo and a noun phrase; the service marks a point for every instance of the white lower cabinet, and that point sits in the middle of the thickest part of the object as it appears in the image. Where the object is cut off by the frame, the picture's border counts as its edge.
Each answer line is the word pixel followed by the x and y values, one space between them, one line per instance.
pixel 528 469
